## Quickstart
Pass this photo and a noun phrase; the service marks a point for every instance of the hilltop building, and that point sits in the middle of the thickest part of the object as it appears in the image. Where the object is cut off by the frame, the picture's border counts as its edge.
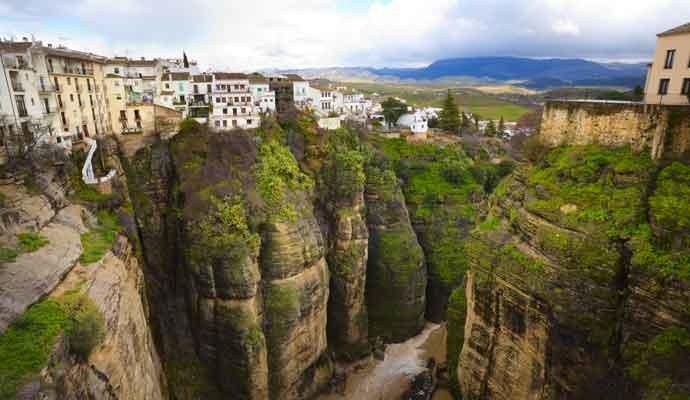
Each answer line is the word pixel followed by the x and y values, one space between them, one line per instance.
pixel 668 76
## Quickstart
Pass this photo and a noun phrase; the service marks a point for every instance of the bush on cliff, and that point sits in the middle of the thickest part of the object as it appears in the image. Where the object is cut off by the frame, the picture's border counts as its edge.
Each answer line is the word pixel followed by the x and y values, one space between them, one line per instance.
pixel 99 240
pixel 85 328
pixel 277 176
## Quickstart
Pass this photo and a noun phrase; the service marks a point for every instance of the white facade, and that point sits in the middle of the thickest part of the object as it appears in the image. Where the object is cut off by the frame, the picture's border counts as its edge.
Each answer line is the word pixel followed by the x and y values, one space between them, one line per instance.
pixel 264 98
pixel 416 122
pixel 233 103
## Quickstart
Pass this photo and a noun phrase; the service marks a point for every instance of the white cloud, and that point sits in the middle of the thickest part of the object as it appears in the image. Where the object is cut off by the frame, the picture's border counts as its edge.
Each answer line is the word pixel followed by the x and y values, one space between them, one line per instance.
pixel 565 27
pixel 305 33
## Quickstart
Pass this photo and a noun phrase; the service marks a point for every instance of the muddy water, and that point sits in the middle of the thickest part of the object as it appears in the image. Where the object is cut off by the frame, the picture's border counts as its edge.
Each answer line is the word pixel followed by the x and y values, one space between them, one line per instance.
pixel 389 378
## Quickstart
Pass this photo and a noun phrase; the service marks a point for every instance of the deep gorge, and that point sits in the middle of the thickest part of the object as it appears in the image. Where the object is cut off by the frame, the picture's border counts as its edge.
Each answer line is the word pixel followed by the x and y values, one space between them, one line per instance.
pixel 266 260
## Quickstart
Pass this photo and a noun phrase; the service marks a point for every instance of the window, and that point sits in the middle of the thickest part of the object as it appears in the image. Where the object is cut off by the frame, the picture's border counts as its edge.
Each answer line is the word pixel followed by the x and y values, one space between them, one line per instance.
pixel 69 80
pixel 137 116
pixel 217 124
pixel 686 87
pixel 64 120
pixel 225 111
pixel 670 54
pixel 117 70
pixel 71 97
pixel 217 99
pixel 167 86
pixel 249 122
pixel 21 106
pixel 663 86
pixel 208 88
pixel 225 123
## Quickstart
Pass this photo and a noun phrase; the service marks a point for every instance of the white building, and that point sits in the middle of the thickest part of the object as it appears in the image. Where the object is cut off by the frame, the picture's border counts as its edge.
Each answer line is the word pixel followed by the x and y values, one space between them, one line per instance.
pixel 175 87
pixel 233 103
pixel 416 122
pixel 264 98
pixel 199 101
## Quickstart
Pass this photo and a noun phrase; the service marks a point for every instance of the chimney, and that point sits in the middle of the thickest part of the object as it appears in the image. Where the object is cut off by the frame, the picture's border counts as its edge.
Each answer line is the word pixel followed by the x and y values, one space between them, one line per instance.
pixel 25 39
pixel 50 45
pixel 143 58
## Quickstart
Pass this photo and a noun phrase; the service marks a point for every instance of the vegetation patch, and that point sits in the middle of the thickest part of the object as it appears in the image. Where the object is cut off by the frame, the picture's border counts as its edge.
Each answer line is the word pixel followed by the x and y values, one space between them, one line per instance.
pixel 457 312
pixel 279 175
pixel 30 242
pixel 27 343
pixel 99 240
pixel 606 186
pixel 660 363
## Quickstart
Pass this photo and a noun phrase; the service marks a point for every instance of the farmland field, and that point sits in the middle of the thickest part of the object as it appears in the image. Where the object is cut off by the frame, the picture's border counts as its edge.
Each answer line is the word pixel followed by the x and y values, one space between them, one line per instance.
pixel 485 105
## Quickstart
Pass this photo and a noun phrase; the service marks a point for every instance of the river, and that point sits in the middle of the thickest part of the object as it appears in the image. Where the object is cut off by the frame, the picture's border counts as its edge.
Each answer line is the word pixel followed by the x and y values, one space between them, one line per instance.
pixel 388 379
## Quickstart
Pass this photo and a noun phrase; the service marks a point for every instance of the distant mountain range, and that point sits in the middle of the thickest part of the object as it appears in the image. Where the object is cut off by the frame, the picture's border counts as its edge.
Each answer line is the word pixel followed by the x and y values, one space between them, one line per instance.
pixel 528 72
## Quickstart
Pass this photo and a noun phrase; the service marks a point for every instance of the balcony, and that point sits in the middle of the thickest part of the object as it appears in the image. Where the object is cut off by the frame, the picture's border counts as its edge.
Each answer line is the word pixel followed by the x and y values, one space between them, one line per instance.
pixel 70 70
pixel 132 130
pixel 179 102
pixel 198 104
pixel 14 63
pixel 48 88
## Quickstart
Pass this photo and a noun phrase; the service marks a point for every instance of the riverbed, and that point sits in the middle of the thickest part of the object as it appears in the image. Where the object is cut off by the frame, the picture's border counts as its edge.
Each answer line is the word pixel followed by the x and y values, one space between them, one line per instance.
pixel 388 379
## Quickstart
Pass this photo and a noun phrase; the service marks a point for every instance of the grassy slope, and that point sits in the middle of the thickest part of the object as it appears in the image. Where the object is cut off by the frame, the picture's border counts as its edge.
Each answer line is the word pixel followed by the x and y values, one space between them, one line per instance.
pixel 471 100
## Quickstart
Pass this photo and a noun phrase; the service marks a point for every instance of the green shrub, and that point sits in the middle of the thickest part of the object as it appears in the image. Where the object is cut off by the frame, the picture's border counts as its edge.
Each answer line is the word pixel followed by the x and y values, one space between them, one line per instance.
pixel 30 242
pixel 189 125
pixel 7 255
pixel 659 366
pixel 99 240
pixel 26 344
pixel 277 175
pixel 669 204
pixel 86 327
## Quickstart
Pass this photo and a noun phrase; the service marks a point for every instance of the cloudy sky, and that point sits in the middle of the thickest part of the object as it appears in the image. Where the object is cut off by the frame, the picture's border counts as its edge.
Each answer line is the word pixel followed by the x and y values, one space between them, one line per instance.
pixel 256 34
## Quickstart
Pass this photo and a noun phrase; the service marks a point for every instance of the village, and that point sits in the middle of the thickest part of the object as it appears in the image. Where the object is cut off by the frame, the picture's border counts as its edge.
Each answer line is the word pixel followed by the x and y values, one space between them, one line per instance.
pixel 52 94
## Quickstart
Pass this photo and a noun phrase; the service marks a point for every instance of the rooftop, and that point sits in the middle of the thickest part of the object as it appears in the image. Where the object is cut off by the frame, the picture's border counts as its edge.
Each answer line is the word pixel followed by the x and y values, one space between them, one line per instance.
pixel 14 47
pixel 141 62
pixel 202 78
pixel 685 28
pixel 175 76
pixel 230 75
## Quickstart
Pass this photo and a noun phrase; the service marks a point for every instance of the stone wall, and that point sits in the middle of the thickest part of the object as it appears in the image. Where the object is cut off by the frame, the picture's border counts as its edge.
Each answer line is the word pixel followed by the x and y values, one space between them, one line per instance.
pixel 665 130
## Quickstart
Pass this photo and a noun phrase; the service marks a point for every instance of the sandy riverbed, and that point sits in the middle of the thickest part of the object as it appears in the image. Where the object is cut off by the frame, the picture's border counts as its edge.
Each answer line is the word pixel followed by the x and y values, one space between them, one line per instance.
pixel 388 379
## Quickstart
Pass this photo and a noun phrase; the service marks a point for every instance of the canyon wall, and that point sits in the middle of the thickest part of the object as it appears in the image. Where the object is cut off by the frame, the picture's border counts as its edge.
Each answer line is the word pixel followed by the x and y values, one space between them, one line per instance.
pixel 575 280
pixel 663 130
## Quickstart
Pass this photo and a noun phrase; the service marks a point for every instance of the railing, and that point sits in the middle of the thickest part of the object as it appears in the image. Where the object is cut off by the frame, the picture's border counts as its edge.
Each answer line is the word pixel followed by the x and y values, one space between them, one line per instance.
pixel 87 173
pixel 14 63
pixel 47 88
pixel 134 129
pixel 198 104
pixel 179 102
pixel 70 70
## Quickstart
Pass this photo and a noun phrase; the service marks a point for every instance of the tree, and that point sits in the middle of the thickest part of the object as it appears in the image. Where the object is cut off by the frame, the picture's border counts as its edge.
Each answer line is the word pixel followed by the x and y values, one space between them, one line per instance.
pixel 449 120
pixel 465 120
pixel 638 93
pixel 501 127
pixel 490 129
pixel 21 141
pixel 476 122
pixel 393 109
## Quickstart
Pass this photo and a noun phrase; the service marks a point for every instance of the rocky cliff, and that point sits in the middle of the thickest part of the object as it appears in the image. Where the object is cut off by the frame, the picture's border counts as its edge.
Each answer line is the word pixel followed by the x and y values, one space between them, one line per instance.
pixel 564 294
pixel 74 311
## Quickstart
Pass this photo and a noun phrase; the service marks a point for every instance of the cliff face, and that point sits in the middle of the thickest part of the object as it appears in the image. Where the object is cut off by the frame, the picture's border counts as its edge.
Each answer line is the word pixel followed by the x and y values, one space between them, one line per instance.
pixel 396 274
pixel 72 294
pixel 242 258
pixel 126 364
pixel 559 295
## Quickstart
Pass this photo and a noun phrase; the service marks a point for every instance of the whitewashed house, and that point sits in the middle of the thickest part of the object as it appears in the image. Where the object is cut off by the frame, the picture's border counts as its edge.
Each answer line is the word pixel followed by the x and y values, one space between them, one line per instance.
pixel 264 98
pixel 416 122
pixel 233 103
